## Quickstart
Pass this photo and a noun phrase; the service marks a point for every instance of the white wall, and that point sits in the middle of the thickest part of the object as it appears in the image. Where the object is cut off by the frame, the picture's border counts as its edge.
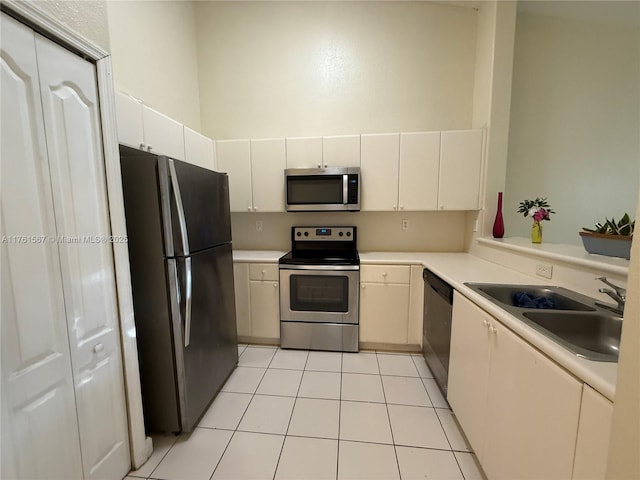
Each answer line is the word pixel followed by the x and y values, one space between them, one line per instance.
pixel 86 17
pixel 270 69
pixel 624 461
pixel 575 119
pixel 154 54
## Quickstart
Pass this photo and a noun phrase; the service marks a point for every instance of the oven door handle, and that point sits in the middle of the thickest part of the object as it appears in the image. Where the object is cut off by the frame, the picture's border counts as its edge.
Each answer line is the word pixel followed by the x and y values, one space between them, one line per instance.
pixel 334 268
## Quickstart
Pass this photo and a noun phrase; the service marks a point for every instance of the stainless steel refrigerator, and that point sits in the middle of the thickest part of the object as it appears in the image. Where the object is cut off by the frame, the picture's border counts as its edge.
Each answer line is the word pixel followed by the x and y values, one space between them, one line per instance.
pixel 179 238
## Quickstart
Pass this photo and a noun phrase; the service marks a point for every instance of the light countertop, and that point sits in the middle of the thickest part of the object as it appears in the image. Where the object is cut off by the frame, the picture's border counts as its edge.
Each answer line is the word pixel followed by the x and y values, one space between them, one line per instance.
pixel 458 268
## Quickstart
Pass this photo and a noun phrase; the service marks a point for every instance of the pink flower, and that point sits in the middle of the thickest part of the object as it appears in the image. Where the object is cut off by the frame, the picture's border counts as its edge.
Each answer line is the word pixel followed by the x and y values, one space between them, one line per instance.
pixel 541 214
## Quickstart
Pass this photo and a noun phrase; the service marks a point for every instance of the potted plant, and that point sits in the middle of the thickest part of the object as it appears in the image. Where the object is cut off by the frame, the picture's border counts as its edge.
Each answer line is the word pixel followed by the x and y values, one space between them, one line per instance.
pixel 538 209
pixel 610 238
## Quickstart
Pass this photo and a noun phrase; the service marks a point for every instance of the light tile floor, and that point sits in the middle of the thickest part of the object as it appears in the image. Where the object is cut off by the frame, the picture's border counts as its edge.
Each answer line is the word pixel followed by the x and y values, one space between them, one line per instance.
pixel 292 414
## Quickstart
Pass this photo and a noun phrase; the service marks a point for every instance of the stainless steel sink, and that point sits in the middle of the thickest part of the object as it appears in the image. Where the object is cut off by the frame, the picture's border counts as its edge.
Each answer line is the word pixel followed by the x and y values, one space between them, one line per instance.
pixel 595 336
pixel 571 319
pixel 559 297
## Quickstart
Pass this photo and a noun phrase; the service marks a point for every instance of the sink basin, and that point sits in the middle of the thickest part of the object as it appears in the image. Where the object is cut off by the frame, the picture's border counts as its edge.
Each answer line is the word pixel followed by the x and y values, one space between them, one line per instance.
pixel 559 297
pixel 575 321
pixel 595 336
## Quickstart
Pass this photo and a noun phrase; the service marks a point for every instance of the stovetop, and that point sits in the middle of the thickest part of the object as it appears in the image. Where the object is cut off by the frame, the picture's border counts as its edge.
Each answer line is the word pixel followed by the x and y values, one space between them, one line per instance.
pixel 322 245
pixel 320 258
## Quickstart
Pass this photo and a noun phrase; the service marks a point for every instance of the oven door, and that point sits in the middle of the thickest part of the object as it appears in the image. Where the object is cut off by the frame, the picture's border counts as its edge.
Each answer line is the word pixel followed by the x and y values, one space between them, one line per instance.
pixel 319 293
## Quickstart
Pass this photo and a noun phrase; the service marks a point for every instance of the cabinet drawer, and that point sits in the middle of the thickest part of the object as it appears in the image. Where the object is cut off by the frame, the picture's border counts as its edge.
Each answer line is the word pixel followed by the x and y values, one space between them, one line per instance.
pixel 385 273
pixel 263 271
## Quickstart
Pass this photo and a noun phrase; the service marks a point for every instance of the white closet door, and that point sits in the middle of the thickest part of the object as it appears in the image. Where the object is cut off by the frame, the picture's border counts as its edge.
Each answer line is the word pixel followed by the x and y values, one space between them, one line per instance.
pixel 72 125
pixel 39 426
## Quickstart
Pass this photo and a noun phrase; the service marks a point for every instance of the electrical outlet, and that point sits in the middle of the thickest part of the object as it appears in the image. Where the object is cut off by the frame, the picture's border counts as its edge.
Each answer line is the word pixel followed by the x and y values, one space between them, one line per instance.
pixel 258 225
pixel 475 225
pixel 405 224
pixel 544 270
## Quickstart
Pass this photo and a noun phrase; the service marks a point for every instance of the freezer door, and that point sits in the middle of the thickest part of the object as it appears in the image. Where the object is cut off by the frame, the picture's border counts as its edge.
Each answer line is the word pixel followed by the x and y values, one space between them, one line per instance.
pixel 195 207
pixel 211 352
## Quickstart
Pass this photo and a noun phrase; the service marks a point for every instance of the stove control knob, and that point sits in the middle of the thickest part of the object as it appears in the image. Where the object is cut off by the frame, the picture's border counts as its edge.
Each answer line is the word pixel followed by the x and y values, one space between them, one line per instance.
pixel 341 234
pixel 306 234
pixel 299 234
pixel 348 234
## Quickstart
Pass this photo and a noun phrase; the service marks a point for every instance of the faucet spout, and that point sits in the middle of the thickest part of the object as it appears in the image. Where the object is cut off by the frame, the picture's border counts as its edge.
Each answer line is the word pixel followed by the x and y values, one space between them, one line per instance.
pixel 618 294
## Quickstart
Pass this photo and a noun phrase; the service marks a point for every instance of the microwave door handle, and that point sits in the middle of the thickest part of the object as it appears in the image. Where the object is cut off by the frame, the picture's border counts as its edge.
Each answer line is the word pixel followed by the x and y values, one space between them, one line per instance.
pixel 345 189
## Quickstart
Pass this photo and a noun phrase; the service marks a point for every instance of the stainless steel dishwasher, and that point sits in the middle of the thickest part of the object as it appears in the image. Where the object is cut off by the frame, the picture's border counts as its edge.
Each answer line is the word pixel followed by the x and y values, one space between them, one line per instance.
pixel 436 332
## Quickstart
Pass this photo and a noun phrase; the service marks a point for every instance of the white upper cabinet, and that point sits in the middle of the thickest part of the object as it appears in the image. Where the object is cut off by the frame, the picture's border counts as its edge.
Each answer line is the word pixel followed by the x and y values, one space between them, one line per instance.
pixel 460 170
pixel 129 121
pixel 418 172
pixel 304 152
pixel 198 149
pixel 143 128
pixel 234 158
pixel 341 151
pixel 379 164
pixel 268 161
pixel 163 135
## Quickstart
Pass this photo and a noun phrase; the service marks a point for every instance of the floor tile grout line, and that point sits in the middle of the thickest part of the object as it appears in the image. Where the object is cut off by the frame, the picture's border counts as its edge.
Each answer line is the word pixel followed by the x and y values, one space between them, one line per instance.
pixel 241 417
pixel 339 417
pixel 165 454
pixel 386 407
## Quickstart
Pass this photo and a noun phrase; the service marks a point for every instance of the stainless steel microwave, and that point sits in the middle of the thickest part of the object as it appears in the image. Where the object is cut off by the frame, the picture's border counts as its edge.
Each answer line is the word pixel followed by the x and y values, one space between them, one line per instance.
pixel 322 189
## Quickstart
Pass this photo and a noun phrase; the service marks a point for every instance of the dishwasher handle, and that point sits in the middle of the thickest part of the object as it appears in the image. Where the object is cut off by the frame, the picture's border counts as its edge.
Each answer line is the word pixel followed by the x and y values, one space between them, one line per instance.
pixel 438 285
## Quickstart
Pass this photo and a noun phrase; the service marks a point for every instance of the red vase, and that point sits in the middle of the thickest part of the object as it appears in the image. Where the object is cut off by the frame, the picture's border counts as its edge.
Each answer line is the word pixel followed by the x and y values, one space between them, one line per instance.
pixel 498 223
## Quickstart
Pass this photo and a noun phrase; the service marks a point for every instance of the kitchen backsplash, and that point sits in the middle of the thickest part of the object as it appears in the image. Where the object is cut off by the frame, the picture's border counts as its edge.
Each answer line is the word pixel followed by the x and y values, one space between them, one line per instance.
pixel 377 231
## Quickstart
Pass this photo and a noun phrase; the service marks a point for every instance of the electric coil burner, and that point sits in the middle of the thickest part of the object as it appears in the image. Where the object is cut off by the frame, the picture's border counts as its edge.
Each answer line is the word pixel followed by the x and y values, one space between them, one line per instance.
pixel 320 290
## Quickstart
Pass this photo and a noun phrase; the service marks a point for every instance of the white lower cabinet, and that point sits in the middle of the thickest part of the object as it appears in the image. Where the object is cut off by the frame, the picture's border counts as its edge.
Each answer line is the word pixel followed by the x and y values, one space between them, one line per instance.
pixel 518 408
pixel 384 303
pixel 594 431
pixel 257 292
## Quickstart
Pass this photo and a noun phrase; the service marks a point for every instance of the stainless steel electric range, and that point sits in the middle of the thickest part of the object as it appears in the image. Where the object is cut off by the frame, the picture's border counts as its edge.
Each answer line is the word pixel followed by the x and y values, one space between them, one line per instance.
pixel 320 290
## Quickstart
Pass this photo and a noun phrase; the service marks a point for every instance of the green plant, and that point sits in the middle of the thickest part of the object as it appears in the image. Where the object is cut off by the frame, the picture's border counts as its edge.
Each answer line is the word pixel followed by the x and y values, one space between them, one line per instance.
pixel 624 227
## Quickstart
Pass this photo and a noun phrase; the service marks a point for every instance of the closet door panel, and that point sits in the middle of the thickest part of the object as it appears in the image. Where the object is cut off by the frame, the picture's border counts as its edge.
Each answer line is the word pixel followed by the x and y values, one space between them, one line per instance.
pixel 39 426
pixel 72 125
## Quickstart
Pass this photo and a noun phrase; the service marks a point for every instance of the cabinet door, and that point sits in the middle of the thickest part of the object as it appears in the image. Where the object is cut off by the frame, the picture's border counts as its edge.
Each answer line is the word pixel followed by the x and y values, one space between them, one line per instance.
pixel 469 369
pixel 268 162
pixel 532 412
pixel 163 135
pixel 384 312
pixel 304 152
pixel 72 125
pixel 418 174
pixel 198 149
pixel 341 151
pixel 129 121
pixel 234 158
pixel 243 310
pixel 379 164
pixel 265 309
pixel 460 168
pixel 594 431
pixel 39 424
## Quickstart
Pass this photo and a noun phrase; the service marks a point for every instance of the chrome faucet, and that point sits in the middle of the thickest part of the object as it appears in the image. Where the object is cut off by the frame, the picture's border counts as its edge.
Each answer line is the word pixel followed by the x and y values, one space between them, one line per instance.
pixel 619 294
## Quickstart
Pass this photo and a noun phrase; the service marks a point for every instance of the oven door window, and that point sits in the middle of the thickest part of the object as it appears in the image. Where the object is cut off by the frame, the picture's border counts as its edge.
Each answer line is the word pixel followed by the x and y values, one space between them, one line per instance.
pixel 315 190
pixel 319 293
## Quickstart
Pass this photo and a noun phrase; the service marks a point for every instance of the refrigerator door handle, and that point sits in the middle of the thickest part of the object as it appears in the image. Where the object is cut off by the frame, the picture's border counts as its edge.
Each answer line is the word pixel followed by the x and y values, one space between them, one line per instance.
pixel 187 302
pixel 182 221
